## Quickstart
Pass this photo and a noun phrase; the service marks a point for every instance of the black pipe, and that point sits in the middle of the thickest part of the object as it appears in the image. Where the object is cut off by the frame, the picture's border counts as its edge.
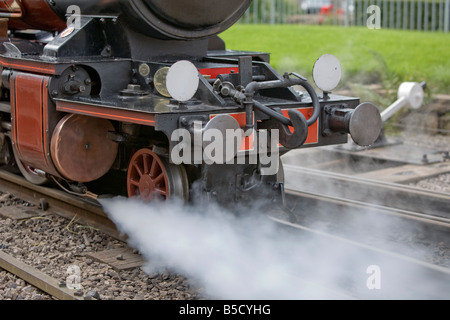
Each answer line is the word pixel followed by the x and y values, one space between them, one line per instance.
pixel 272 113
pixel 252 87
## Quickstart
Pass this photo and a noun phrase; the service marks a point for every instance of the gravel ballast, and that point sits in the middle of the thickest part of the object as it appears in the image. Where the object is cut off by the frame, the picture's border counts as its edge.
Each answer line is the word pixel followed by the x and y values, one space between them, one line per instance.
pixel 52 244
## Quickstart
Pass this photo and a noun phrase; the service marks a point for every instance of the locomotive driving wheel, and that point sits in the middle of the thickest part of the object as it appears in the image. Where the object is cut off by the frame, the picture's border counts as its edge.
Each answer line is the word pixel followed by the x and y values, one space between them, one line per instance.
pixel 151 177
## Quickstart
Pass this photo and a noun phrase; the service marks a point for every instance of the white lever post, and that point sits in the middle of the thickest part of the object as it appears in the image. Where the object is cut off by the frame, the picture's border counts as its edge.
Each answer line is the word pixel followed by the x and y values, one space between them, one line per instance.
pixel 409 93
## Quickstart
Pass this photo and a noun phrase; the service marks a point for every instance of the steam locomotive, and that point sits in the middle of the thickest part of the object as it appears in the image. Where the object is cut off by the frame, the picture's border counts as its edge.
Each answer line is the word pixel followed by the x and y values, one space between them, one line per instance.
pixel 141 97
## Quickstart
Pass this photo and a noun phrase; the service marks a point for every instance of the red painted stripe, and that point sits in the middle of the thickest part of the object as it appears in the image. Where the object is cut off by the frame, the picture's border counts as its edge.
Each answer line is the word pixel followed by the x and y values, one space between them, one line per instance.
pixel 29 66
pixel 91 111
pixel 214 72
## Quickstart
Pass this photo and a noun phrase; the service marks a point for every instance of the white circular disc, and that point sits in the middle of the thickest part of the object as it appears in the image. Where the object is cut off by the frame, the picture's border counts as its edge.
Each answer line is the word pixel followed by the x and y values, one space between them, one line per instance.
pixel 182 80
pixel 327 72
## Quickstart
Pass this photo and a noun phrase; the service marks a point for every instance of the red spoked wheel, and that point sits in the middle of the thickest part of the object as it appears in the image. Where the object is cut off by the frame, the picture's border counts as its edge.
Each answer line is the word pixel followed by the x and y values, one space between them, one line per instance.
pixel 153 178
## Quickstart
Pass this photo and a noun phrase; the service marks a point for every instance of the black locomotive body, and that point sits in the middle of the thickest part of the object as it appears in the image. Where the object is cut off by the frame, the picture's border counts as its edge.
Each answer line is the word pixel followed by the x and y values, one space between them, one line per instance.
pixel 85 100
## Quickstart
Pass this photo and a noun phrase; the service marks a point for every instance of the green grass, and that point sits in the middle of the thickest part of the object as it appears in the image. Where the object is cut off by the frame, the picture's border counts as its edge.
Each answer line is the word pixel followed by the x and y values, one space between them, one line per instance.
pixel 366 56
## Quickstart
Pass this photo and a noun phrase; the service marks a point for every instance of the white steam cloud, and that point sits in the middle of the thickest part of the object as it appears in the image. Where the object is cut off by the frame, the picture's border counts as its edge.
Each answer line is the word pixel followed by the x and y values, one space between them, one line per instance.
pixel 247 257
pixel 231 257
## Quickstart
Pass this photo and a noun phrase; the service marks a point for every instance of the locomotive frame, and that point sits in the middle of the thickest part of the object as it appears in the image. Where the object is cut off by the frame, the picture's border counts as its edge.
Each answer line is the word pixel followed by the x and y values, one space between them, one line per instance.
pixel 87 102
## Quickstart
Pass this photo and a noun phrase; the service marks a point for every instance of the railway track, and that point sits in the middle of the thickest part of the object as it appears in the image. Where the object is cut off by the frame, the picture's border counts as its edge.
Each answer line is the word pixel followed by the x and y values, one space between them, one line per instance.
pixel 368 210
pixel 385 218
pixel 36 278
pixel 90 212
pixel 410 201
pixel 59 202
pixel 400 276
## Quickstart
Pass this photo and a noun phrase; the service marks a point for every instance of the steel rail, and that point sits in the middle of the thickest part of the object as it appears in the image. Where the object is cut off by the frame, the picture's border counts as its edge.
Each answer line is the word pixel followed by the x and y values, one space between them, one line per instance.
pixel 402 277
pixel 400 213
pixel 36 278
pixel 92 213
pixel 59 202
pixel 409 200
pixel 420 279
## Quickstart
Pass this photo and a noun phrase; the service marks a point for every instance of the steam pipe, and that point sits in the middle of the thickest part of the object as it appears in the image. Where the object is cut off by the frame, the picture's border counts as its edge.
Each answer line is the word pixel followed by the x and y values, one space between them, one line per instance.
pixel 254 86
pixel 272 113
